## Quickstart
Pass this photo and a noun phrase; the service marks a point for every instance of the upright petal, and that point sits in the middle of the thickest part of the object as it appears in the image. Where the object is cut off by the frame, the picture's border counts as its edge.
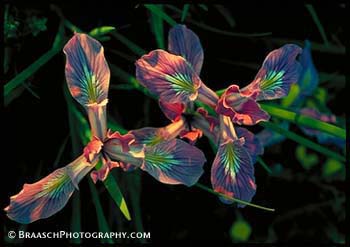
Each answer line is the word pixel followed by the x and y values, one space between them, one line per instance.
pixel 87 72
pixel 169 76
pixel 251 143
pixel 184 42
pixel 232 172
pixel 174 162
pixel 49 195
pixel 279 70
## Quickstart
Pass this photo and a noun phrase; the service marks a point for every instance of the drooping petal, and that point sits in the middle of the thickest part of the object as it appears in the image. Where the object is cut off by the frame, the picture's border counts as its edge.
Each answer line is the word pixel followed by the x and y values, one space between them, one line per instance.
pixel 87 72
pixel 232 172
pixel 242 109
pixel 172 111
pixel 147 136
pixel 323 138
pixel 308 80
pixel 174 162
pixel 152 136
pixel 49 195
pixel 279 70
pixel 184 42
pixel 251 143
pixel 168 76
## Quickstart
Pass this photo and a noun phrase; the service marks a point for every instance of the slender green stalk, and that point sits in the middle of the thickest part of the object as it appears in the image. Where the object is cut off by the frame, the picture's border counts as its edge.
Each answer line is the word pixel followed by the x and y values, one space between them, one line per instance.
pixel 101 219
pixel 306 142
pixel 317 21
pixel 264 165
pixel 185 10
pixel 228 33
pixel 158 11
pixel 158 28
pixel 304 120
pixel 203 187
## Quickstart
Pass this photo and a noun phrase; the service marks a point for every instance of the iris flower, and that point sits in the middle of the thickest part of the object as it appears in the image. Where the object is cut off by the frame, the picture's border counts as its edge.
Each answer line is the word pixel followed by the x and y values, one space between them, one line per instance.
pixel 174 78
pixel 279 71
pixel 87 73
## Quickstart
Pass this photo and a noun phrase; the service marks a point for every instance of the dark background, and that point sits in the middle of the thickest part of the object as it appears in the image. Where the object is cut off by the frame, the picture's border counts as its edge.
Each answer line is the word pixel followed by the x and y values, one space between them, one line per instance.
pixel 36 128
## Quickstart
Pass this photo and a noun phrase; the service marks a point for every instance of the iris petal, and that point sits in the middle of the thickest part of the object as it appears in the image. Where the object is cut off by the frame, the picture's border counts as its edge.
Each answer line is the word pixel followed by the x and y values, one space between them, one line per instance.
pixel 232 172
pixel 87 71
pixel 184 42
pixel 49 195
pixel 169 76
pixel 174 162
pixel 279 70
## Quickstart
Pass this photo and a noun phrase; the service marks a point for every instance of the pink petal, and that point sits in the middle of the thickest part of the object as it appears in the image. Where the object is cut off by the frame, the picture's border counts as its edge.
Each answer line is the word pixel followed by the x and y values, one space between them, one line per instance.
pixel 182 41
pixel 87 72
pixel 279 70
pixel 49 195
pixel 232 172
pixel 168 76
pixel 174 162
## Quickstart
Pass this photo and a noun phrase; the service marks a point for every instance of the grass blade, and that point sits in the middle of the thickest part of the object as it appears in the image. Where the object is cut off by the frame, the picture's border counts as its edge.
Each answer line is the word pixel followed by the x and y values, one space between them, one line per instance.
pixel 264 165
pixel 101 219
pixel 157 28
pixel 317 21
pixel 226 14
pixel 306 142
pixel 203 187
pixel 128 43
pixel 159 12
pixel 304 120
pixel 228 33
pixel 34 67
pixel 29 71
pixel 185 10
pixel 116 194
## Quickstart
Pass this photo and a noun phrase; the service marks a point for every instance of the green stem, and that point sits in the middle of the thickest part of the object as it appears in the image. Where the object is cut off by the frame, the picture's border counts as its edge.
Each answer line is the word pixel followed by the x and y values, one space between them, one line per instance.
pixel 304 120
pixel 264 165
pixel 159 12
pixel 203 187
pixel 303 141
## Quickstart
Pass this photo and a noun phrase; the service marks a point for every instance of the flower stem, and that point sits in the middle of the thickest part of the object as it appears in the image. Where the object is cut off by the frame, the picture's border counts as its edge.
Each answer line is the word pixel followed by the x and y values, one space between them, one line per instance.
pixel 203 187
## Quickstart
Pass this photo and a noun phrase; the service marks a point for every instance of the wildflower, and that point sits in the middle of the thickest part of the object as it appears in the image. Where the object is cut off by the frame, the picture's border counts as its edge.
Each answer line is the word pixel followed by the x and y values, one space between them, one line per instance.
pixel 87 73
pixel 279 70
pixel 174 78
